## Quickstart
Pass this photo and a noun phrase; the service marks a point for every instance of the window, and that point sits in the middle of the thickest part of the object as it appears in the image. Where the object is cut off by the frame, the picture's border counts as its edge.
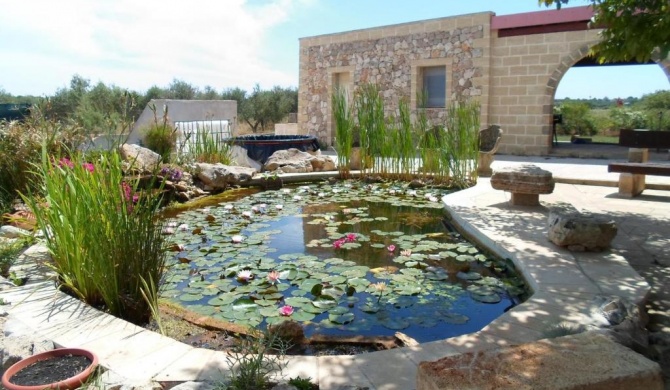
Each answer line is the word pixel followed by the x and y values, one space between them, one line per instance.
pixel 435 86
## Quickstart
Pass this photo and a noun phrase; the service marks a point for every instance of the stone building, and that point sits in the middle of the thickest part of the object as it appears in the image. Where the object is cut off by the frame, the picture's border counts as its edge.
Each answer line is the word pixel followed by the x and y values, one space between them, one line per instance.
pixel 512 64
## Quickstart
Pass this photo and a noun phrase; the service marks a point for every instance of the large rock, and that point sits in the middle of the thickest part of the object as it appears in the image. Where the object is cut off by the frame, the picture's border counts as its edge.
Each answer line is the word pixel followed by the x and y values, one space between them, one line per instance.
pixel 584 361
pixel 580 232
pixel 294 161
pixel 140 159
pixel 220 177
pixel 9 231
pixel 525 182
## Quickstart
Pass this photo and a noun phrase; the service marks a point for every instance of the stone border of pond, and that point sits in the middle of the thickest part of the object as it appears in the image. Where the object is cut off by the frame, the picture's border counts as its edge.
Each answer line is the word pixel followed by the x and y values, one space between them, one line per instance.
pixel 565 285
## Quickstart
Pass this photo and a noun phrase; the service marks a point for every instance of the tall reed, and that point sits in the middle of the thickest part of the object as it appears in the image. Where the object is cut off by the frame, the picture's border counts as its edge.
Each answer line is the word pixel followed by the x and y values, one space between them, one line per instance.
pixel 462 124
pixel 206 147
pixel 344 127
pixel 103 235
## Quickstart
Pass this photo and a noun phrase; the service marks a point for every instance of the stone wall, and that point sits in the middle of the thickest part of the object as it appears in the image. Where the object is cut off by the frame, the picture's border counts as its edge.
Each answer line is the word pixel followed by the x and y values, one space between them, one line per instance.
pixel 392 57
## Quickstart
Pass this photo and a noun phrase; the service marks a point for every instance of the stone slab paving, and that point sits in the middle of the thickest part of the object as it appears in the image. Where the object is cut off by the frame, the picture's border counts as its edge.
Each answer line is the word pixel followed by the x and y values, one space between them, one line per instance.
pixel 564 284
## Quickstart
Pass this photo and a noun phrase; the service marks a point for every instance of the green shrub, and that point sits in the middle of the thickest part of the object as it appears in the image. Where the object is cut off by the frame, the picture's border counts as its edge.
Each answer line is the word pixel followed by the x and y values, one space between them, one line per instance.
pixel 103 235
pixel 206 146
pixel 21 144
pixel 253 361
pixel 162 139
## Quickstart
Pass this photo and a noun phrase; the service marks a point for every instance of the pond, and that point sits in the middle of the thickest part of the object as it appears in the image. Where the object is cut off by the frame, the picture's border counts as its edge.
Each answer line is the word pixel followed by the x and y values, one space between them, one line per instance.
pixel 345 259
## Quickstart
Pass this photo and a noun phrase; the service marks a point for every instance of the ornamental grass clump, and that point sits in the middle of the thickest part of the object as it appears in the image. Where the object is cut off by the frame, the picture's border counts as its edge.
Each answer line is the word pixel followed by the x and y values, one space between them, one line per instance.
pixel 206 146
pixel 102 233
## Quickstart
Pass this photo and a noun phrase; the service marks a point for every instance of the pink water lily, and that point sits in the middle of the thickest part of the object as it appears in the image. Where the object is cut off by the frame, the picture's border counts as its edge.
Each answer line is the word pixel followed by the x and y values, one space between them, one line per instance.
pixel 351 237
pixel 273 277
pixel 338 244
pixel 286 310
pixel 391 248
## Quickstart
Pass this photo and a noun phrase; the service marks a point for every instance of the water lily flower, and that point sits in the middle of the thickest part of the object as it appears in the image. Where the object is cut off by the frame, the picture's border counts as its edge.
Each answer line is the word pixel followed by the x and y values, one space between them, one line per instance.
pixel 262 206
pixel 391 248
pixel 183 227
pixel 351 237
pixel 321 194
pixel 255 209
pixel 246 214
pixel 273 276
pixel 380 286
pixel 338 244
pixel 433 199
pixel 392 191
pixel 411 193
pixel 286 190
pixel 244 275
pixel 286 310
pixel 279 207
pixel 88 166
pixel 168 230
pixel 228 207
pixel 406 253
pixel 237 238
pixel 205 210
pixel 172 224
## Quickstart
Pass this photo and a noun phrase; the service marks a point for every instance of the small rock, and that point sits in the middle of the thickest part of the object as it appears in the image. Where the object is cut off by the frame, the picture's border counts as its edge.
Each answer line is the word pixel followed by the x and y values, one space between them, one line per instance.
pixel 417 183
pixel 9 231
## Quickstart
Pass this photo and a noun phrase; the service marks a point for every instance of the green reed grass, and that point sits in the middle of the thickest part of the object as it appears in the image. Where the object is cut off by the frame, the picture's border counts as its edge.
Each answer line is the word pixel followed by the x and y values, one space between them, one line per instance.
pixel 344 126
pixel 462 124
pixel 207 147
pixel 104 238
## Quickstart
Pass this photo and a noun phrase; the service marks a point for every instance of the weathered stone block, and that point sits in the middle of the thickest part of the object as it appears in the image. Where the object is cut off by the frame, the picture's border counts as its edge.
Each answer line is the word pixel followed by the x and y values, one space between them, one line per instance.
pixel 584 361
pixel 523 181
pixel 580 232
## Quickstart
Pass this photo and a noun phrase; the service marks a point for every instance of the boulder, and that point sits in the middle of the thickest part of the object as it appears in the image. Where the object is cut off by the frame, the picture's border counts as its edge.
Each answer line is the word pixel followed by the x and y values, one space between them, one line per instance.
pixel 580 232
pixel 294 161
pixel 584 361
pixel 140 159
pixel 9 231
pixel 220 177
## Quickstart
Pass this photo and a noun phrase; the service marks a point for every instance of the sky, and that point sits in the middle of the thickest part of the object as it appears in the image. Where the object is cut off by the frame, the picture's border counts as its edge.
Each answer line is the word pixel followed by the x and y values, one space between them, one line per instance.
pixel 226 43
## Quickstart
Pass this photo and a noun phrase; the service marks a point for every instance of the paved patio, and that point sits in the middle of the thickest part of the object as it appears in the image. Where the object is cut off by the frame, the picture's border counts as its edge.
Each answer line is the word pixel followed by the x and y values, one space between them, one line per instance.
pixel 564 285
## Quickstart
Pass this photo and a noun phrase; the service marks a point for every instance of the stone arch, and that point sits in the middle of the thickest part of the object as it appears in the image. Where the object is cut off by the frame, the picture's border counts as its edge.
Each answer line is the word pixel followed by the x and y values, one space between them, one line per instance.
pixel 568 62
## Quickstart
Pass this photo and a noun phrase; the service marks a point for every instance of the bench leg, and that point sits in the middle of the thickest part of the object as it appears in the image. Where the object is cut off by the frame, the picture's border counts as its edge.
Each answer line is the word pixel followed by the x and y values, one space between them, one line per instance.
pixel 631 184
pixel 525 199
pixel 484 164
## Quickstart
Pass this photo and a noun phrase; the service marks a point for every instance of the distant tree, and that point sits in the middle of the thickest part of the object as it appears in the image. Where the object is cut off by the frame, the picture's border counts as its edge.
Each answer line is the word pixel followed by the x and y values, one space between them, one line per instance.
pixel 208 93
pixel 659 100
pixel 633 29
pixel 576 118
pixel 179 89
pixel 262 108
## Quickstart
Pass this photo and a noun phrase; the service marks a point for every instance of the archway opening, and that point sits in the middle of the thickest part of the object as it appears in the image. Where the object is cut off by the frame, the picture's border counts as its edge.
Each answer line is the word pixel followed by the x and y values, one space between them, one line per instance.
pixel 594 101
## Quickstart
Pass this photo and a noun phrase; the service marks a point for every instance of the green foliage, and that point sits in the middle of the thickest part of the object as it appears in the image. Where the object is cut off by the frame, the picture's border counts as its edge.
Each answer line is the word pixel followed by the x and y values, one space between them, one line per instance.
pixel 21 144
pixel 634 29
pixel 576 118
pixel 9 251
pixel 207 147
pixel 625 118
pixel 104 238
pixel 161 137
pixel 263 108
pixel 253 361
pixel 302 383
pixel 344 123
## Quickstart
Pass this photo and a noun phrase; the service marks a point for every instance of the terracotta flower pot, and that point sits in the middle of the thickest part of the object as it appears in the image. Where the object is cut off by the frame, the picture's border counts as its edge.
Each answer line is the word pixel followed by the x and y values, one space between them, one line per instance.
pixel 69 383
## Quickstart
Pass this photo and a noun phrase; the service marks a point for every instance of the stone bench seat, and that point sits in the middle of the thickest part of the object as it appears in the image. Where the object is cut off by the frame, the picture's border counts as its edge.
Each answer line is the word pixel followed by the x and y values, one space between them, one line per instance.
pixel 632 175
pixel 525 182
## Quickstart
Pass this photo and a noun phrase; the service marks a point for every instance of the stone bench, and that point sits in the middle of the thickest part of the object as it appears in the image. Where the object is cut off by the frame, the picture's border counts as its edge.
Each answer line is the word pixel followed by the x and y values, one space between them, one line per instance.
pixel 632 175
pixel 525 182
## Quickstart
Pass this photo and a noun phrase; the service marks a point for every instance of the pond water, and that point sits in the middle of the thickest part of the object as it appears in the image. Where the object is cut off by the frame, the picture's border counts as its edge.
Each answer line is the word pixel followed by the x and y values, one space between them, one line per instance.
pixel 346 259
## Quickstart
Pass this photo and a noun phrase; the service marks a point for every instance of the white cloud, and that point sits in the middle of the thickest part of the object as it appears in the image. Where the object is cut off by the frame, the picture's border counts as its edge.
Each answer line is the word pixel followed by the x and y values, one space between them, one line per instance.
pixel 139 44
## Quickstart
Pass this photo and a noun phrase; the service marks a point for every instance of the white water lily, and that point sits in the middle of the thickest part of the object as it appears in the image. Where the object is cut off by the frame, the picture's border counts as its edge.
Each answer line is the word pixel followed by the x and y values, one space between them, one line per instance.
pixel 255 209
pixel 228 206
pixel 411 193
pixel 433 199
pixel 183 227
pixel 246 214
pixel 237 238
pixel 279 207
pixel 244 276
pixel 321 194
pixel 286 190
pixel 297 197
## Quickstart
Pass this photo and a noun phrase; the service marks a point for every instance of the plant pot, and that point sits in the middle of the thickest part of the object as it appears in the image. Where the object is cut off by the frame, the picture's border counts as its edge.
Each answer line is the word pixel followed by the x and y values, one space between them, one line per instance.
pixel 72 382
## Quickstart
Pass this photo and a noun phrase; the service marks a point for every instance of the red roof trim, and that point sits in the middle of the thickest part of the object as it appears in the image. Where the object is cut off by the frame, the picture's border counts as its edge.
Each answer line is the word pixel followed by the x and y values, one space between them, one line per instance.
pixel 539 18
